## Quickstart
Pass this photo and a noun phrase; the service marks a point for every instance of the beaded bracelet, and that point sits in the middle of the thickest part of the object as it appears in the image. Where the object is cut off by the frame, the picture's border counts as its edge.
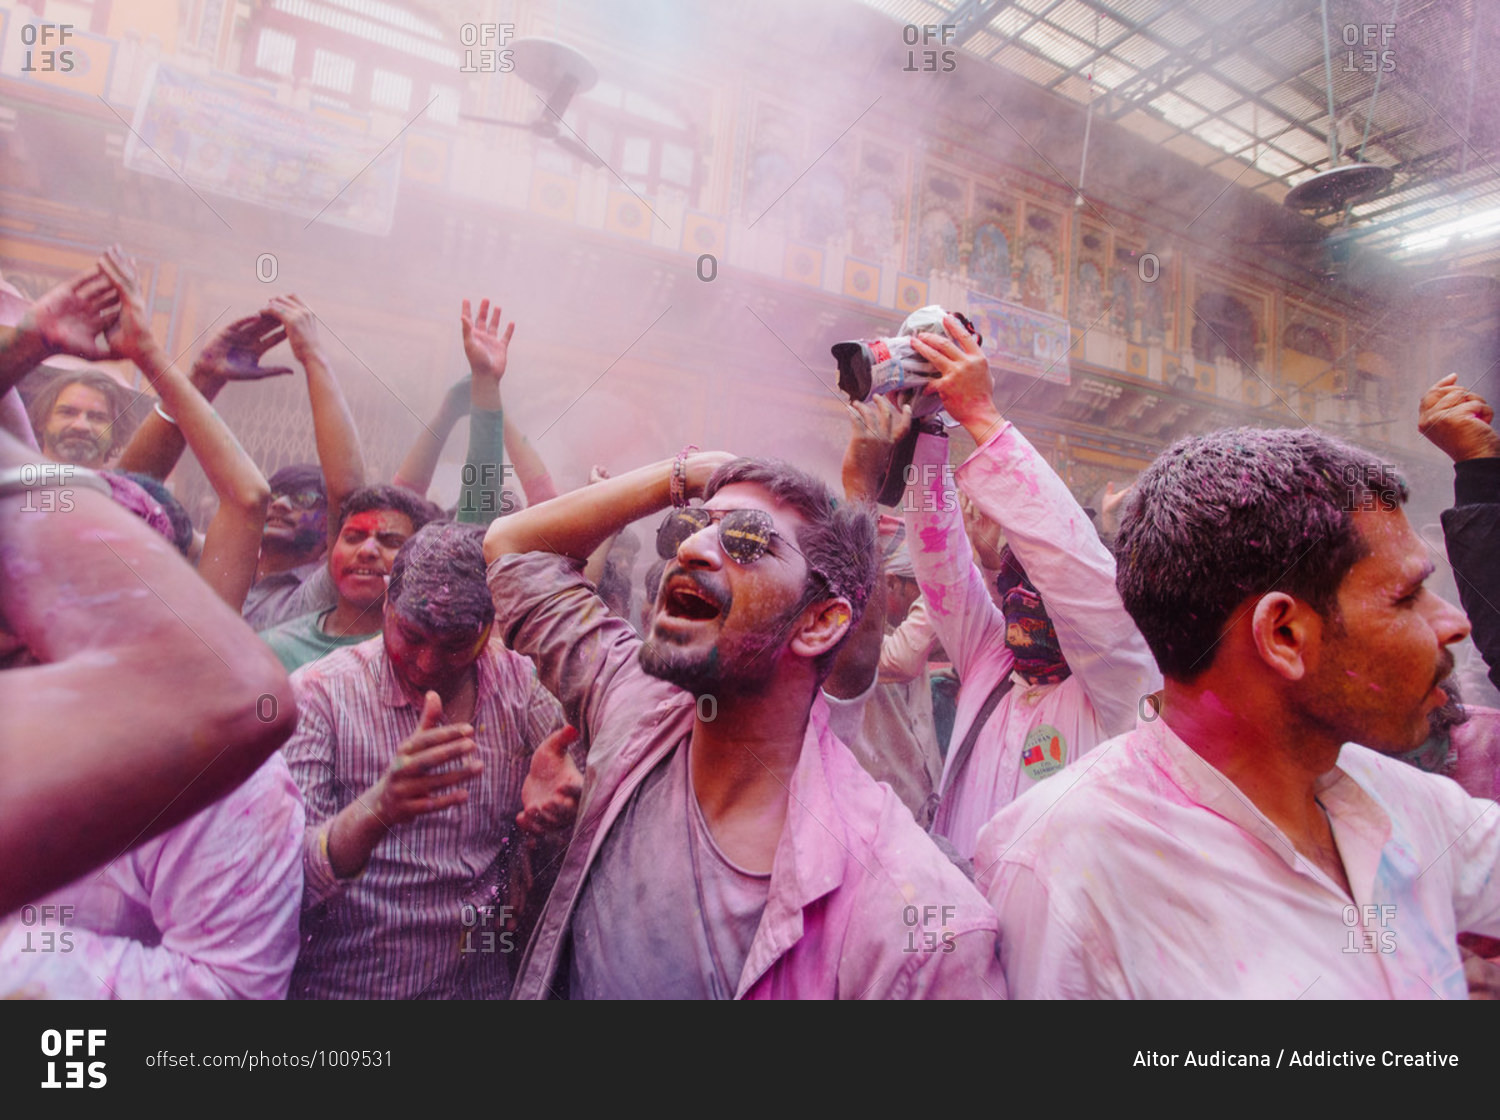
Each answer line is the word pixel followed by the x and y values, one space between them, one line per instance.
pixel 678 484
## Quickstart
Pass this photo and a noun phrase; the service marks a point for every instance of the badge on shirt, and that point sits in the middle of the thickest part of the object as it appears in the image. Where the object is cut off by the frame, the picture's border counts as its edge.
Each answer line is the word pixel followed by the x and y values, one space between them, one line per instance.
pixel 1043 752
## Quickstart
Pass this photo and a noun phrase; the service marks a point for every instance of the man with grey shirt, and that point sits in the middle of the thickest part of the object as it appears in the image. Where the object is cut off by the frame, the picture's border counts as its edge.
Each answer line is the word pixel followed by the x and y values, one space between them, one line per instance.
pixel 727 845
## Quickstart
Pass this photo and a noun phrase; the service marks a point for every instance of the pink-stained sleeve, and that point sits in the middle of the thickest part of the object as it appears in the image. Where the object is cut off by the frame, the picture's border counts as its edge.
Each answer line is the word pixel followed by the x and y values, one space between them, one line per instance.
pixel 1040 953
pixel 903 652
pixel 1014 486
pixel 964 618
pixel 971 970
pixel 312 755
pixel 223 889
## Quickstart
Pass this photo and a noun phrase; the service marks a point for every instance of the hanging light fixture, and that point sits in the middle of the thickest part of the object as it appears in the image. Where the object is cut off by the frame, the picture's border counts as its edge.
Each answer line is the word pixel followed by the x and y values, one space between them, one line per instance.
pixel 1346 185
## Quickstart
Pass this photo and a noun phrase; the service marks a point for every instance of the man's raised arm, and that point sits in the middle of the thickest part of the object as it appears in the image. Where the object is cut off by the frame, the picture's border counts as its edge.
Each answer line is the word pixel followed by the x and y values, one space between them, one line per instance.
pixel 334 433
pixel 177 704
pixel 576 523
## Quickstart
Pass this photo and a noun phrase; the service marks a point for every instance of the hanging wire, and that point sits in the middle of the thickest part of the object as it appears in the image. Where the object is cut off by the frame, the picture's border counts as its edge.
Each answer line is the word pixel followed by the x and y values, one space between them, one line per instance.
pixel 1088 120
pixel 1379 72
pixel 1333 125
pixel 1463 162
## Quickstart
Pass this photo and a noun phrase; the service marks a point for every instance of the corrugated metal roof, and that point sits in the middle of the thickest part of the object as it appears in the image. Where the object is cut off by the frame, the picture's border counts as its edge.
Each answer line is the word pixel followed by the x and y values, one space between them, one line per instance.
pixel 1249 77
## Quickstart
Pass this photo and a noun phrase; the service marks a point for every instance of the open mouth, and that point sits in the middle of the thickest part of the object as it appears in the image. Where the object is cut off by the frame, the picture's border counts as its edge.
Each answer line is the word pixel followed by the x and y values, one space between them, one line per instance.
pixel 685 600
pixel 365 573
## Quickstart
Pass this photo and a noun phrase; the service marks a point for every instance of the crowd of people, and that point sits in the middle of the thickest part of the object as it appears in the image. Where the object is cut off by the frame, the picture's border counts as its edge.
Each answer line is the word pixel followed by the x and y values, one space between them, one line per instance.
pixel 344 743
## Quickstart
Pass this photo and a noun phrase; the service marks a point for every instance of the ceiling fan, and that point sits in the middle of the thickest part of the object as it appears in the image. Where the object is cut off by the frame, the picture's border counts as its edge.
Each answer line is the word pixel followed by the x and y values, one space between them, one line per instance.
pixel 557 72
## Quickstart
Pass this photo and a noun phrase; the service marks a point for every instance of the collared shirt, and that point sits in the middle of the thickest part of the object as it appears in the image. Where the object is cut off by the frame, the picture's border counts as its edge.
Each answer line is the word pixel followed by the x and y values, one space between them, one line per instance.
pixel 413 924
pixel 1142 872
pixel 861 903
pixel 206 910
pixel 282 596
pixel 1034 730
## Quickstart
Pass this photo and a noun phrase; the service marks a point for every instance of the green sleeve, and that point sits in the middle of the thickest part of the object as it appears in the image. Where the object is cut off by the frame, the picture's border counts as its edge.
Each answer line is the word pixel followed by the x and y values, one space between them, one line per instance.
pixel 479 501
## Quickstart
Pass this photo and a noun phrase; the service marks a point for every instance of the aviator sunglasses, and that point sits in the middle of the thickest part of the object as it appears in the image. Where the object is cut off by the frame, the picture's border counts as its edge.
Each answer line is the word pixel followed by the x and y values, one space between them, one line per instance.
pixel 744 534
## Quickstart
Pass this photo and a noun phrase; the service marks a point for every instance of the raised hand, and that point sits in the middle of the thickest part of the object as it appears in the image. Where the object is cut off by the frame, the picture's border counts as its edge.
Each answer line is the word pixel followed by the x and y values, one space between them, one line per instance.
pixel 964 382
pixel 485 347
pixel 549 796
pixel 413 784
pixel 70 317
pixel 701 466
pixel 1109 514
pixel 876 427
pixel 301 326
pixel 1458 421
pixel 129 334
pixel 234 353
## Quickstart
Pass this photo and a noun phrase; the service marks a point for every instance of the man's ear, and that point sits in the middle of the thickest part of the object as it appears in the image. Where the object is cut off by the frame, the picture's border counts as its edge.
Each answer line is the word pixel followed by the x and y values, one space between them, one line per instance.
pixel 824 626
pixel 1282 627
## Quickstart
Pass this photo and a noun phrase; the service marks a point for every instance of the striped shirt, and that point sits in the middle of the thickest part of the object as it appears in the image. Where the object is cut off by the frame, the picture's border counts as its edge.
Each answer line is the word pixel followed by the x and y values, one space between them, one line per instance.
pixel 417 922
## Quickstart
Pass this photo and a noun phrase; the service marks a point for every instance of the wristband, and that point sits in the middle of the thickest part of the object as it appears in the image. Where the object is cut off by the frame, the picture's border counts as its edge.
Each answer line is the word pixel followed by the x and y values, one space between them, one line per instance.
pixel 678 486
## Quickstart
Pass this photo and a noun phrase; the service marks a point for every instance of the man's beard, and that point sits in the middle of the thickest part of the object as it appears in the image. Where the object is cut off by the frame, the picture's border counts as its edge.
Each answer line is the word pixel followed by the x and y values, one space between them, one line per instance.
pixel 79 450
pixel 710 671
pixel 1452 713
pixel 697 671
pixel 308 538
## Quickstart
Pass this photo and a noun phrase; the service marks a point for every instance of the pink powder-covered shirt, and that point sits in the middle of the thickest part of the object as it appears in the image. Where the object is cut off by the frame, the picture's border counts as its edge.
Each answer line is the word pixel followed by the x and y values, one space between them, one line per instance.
pixel 861 904
pixel 206 910
pixel 1142 872
pixel 1035 730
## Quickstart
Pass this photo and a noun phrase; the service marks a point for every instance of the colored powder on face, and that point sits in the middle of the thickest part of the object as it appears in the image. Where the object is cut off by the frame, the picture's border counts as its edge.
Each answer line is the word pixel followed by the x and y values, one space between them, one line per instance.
pixel 371 522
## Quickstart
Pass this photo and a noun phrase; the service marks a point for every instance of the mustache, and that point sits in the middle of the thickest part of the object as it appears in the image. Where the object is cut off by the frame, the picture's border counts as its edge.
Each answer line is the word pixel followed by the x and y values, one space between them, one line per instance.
pixel 719 598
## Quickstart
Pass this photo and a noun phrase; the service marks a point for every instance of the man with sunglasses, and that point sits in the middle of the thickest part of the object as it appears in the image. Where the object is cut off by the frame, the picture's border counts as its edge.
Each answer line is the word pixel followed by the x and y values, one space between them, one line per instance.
pixel 1059 667
pixel 727 845
pixel 292 546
